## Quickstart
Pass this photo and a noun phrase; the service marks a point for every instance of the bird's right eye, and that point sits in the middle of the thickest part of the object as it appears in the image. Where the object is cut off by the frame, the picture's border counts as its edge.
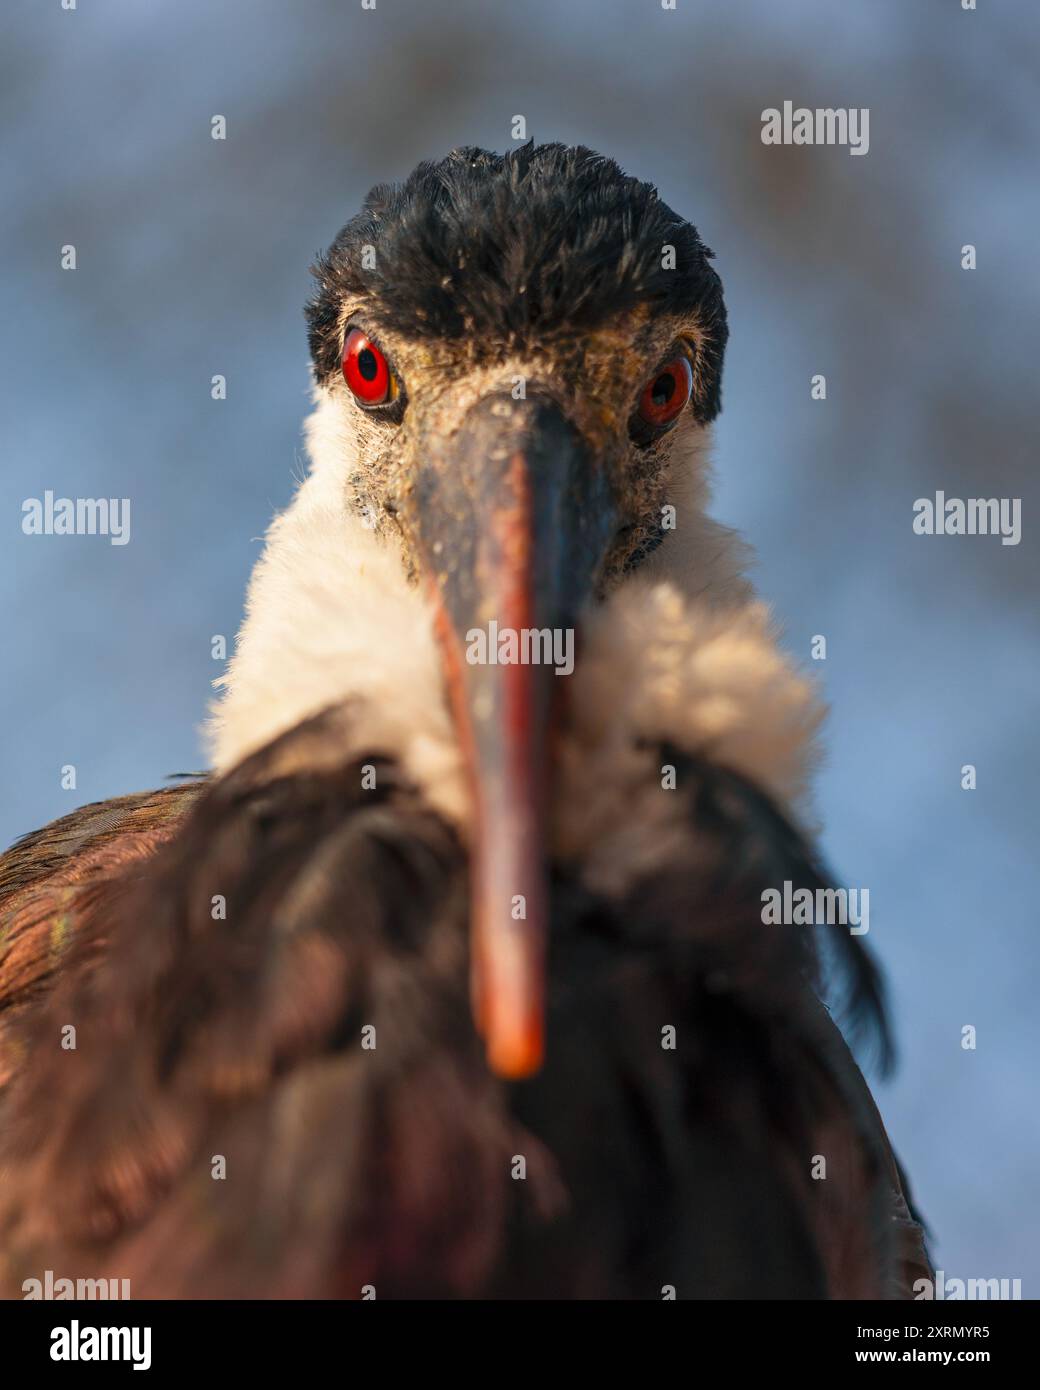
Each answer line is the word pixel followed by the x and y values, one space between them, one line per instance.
pixel 366 371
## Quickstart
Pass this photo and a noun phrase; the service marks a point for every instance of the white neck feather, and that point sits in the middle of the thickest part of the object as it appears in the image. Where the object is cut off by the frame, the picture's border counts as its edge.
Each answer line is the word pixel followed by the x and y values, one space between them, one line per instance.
pixel 680 652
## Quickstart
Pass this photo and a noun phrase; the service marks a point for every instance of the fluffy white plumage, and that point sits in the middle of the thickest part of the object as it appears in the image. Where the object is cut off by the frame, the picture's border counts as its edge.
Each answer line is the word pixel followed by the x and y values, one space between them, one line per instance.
pixel 681 651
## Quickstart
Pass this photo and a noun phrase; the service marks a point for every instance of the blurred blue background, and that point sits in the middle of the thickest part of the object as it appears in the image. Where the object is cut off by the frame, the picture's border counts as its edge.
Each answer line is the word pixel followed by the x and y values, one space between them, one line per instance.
pixel 193 260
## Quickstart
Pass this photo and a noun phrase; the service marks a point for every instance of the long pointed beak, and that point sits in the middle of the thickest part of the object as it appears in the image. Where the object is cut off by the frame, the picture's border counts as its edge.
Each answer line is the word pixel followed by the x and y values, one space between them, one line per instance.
pixel 512 518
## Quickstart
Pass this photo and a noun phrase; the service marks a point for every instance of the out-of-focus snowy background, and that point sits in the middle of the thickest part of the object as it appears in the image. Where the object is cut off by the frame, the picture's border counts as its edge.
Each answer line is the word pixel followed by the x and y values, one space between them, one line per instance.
pixel 192 260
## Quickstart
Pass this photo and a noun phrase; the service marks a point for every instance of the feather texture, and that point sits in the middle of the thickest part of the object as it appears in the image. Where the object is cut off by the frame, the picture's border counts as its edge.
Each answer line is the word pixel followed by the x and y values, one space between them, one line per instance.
pixel 395 1165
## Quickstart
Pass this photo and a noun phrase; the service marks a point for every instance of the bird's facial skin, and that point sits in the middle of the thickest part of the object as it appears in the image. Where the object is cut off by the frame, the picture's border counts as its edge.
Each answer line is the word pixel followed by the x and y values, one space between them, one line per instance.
pixel 599 382
pixel 520 484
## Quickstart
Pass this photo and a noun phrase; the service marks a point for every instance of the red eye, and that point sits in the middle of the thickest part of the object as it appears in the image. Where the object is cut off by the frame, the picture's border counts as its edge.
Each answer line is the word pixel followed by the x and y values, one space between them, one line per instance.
pixel 665 394
pixel 365 369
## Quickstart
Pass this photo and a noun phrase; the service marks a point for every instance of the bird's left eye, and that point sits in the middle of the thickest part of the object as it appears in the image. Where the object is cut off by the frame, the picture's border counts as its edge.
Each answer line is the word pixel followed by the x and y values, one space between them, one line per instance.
pixel 665 394
pixel 366 370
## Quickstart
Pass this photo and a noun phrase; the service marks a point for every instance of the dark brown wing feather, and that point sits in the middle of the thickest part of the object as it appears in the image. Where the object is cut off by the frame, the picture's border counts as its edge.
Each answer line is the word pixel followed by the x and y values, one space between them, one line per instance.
pixel 51 879
pixel 222 1128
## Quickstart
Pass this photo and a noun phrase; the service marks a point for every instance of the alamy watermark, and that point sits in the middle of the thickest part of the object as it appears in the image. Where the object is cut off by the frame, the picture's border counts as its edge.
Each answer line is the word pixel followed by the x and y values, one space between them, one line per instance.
pixel 974 516
pixel 827 125
pixel 50 1287
pixel 79 1342
pixel 806 907
pixel 950 1290
pixel 526 646
pixel 77 516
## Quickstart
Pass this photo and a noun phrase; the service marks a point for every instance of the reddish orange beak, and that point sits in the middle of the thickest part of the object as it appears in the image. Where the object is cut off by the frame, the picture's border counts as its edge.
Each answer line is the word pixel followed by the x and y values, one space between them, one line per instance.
pixel 512 519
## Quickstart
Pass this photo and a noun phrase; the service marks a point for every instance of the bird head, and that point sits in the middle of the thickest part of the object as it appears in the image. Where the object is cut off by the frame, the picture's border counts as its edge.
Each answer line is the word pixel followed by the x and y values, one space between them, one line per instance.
pixel 515 346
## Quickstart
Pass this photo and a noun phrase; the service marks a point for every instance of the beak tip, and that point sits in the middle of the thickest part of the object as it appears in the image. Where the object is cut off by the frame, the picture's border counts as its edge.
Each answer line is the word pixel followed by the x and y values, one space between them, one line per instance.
pixel 516 1057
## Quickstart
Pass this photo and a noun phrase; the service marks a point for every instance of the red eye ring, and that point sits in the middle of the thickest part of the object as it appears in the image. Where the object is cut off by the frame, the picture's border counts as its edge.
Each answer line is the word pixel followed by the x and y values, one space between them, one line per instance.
pixel 666 393
pixel 365 369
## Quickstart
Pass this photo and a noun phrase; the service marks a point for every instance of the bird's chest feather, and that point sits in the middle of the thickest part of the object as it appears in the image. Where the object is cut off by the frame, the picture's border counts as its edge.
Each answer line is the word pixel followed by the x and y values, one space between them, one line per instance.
pixel 316 1034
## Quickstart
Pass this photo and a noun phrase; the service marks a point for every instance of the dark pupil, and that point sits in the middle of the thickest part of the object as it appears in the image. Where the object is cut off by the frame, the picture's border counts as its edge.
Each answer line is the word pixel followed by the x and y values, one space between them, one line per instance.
pixel 663 389
pixel 367 364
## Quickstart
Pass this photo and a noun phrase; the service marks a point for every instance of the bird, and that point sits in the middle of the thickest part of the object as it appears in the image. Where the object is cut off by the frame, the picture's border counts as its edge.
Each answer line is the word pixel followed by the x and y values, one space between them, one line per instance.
pixel 451 978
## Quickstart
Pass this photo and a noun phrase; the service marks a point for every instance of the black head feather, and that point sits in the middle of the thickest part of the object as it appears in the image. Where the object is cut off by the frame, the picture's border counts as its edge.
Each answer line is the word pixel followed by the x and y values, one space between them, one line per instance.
pixel 510 249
